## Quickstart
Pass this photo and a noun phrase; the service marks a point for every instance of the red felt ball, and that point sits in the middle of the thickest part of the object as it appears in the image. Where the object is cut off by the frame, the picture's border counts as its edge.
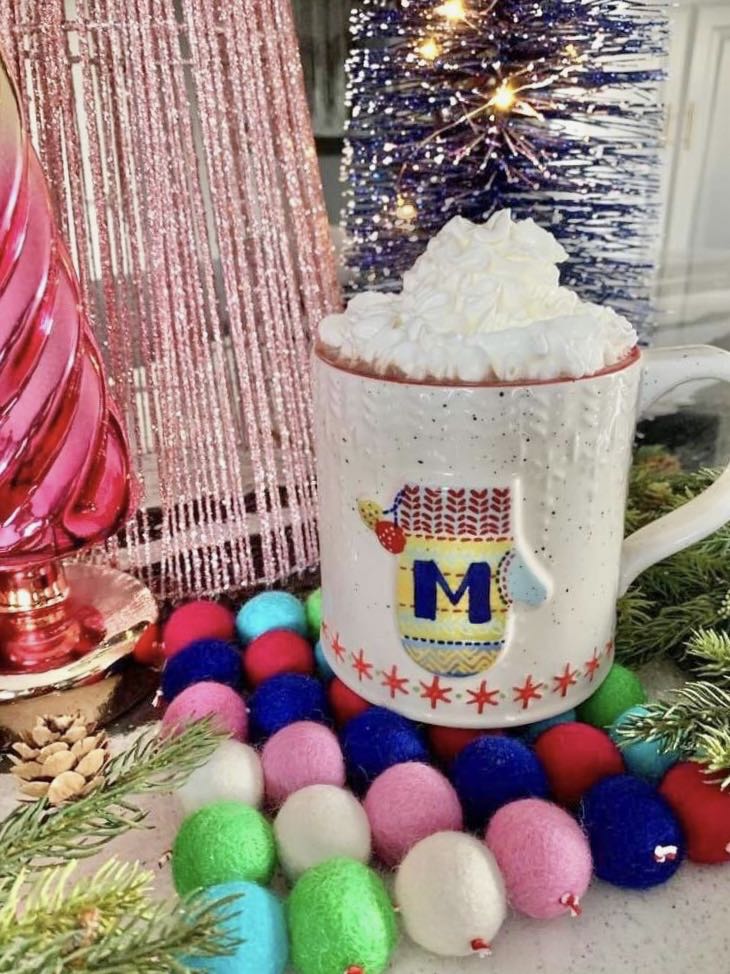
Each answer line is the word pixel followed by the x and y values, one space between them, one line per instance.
pixel 702 808
pixel 447 742
pixel 345 703
pixel 275 652
pixel 575 756
pixel 197 620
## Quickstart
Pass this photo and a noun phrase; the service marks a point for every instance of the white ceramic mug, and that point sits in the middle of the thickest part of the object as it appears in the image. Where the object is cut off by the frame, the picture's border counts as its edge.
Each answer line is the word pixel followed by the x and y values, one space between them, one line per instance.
pixel 472 535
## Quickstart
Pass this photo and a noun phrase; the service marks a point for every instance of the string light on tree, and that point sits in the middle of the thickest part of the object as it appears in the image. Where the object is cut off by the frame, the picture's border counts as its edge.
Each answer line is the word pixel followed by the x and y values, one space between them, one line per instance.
pixel 428 49
pixel 452 10
pixel 504 97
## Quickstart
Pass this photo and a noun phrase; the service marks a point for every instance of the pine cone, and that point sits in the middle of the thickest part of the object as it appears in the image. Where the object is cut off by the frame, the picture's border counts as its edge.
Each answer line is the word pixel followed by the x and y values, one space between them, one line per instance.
pixel 61 758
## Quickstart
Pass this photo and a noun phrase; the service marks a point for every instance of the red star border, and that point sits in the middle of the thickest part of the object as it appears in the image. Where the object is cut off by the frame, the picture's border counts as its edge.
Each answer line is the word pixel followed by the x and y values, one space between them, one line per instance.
pixel 361 665
pixel 435 692
pixel 608 649
pixel 568 678
pixel 396 684
pixel 483 697
pixel 593 664
pixel 338 649
pixel 527 692
pixel 325 629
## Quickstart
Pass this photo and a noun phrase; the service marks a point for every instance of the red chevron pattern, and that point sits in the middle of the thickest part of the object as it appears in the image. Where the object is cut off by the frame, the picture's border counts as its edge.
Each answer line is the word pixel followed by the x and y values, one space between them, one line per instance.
pixel 455 512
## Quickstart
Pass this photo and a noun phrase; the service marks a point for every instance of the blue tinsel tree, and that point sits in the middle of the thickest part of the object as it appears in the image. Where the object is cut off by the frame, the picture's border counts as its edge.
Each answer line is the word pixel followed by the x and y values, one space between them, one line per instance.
pixel 466 106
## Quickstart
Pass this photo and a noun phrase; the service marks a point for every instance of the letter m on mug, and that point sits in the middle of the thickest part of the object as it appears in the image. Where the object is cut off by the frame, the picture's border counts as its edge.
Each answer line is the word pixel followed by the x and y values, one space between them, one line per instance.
pixel 458 573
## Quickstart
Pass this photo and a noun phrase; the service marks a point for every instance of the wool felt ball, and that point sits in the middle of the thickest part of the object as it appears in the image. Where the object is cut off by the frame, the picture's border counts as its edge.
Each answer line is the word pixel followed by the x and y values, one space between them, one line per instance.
pixel 703 810
pixel 492 771
pixel 223 705
pixel 345 703
pixel 575 756
pixel 233 772
pixel 255 918
pixel 274 652
pixel 543 855
pixel 318 823
pixel 645 759
pixel 451 895
pixel 620 690
pixel 447 742
pixel 300 754
pixel 531 732
pixel 221 842
pixel 285 699
pixel 405 804
pixel 341 919
pixel 324 670
pixel 202 619
pixel 313 611
pixel 375 741
pixel 636 840
pixel 270 610
pixel 206 659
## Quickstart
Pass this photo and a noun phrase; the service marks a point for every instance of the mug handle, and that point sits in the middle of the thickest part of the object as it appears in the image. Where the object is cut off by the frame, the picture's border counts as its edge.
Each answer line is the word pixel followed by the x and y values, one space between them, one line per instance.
pixel 664 369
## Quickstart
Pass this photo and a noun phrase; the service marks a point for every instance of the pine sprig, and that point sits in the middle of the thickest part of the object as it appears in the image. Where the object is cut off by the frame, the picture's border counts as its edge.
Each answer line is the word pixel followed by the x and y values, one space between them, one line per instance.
pixel 709 651
pixel 36 834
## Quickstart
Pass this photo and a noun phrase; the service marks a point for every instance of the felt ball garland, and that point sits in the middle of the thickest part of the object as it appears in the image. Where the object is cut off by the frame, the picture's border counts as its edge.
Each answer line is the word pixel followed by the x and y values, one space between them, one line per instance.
pixel 451 888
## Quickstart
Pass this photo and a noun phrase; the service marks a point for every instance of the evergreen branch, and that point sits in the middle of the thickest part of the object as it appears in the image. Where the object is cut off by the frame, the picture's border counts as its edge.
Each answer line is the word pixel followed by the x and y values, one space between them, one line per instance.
pixel 712 649
pixel 714 745
pixel 36 834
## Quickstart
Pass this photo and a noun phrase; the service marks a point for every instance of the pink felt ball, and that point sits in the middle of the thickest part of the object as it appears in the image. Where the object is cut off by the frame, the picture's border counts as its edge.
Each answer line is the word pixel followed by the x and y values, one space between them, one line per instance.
pixel 301 754
pixel 197 620
pixel 543 855
pixel 406 803
pixel 224 705
pixel 274 652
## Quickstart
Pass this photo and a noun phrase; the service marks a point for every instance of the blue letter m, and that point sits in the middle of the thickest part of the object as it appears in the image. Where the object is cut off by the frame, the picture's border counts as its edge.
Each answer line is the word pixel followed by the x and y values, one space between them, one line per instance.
pixel 427 577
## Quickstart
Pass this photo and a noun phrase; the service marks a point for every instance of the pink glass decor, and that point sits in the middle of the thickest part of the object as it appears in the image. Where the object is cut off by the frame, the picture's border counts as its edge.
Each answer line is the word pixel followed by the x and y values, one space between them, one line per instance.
pixel 185 179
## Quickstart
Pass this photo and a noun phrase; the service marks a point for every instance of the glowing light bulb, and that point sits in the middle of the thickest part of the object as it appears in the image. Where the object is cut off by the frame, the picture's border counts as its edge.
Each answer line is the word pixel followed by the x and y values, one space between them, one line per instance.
pixel 405 210
pixel 503 98
pixel 452 10
pixel 428 49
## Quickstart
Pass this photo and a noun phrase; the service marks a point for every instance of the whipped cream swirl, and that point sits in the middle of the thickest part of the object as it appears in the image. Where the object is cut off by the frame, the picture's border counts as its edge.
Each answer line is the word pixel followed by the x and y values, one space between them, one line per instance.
pixel 483 302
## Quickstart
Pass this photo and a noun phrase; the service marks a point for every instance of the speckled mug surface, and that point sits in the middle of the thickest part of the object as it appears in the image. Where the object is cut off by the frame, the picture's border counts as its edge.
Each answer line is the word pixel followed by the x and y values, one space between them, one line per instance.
pixel 472 535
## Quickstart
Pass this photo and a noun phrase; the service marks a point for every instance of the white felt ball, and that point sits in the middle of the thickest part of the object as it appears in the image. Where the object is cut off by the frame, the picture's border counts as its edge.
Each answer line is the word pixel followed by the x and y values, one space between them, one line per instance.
pixel 451 895
pixel 233 771
pixel 318 823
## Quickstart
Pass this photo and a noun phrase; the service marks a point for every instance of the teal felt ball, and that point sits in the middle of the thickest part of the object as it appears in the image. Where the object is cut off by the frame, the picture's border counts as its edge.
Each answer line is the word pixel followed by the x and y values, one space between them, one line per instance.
pixel 313 609
pixel 270 610
pixel 531 732
pixel 254 918
pixel 341 919
pixel 221 842
pixel 645 759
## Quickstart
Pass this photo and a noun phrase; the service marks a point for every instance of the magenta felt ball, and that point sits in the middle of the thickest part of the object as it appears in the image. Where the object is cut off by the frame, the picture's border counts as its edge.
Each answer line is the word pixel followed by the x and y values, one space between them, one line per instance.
pixel 274 652
pixel 405 804
pixel 197 620
pixel 543 855
pixel 224 705
pixel 301 754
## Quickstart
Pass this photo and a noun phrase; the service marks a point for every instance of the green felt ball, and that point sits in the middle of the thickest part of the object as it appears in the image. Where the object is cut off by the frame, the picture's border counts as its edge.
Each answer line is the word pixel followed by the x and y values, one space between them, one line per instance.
pixel 221 842
pixel 340 916
pixel 313 609
pixel 620 690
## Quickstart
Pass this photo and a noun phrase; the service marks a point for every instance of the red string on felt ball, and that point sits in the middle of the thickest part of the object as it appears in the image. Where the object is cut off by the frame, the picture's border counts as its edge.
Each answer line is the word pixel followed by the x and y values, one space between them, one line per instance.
pixel 344 702
pixel 274 652
pixel 303 753
pixel 197 620
pixel 447 742
pixel 543 855
pixel 575 756
pixel 225 707
pixel 405 804
pixel 702 808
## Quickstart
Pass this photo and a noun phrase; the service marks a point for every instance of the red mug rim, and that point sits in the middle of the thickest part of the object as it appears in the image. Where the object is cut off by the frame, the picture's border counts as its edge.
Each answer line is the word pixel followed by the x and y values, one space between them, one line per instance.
pixel 630 359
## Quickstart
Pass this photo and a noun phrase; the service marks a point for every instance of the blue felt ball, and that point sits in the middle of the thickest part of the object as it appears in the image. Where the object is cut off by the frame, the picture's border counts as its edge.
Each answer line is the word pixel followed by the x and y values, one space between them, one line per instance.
pixel 642 758
pixel 202 661
pixel 635 839
pixel 284 699
pixel 255 918
pixel 376 740
pixel 270 610
pixel 492 771
pixel 531 732
pixel 323 668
